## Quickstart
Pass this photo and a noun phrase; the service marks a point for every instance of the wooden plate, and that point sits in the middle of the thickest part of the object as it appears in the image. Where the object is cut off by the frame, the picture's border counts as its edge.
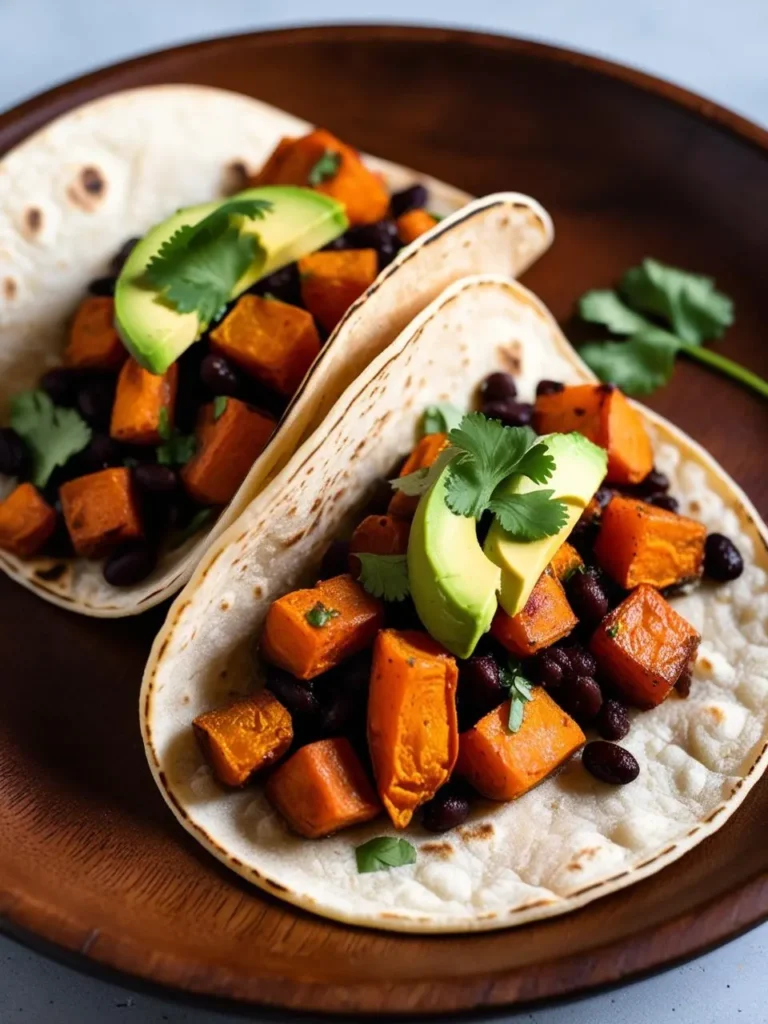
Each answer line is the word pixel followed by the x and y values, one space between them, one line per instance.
pixel 90 858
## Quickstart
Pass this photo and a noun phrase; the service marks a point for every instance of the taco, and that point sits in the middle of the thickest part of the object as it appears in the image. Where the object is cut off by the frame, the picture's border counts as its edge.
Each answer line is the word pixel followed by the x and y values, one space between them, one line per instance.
pixel 147 400
pixel 314 728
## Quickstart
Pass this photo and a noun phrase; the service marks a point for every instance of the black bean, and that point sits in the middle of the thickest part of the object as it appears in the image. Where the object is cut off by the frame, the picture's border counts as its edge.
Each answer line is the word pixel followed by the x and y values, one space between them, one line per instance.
pixel 102 286
pixel 353 676
pixel 381 236
pixel 152 478
pixel 447 809
pixel 401 615
pixel 337 714
pixel 547 671
pixel 61 385
pixel 334 561
pixel 284 285
pixel 120 257
pixel 414 198
pixel 665 501
pixel 511 413
pixel 549 387
pixel 610 763
pixel 219 376
pixel 582 662
pixel 13 452
pixel 583 537
pixel 581 698
pixel 297 697
pixel 129 564
pixel 655 483
pixel 561 655
pixel 94 401
pixel 480 685
pixel 59 544
pixel 722 559
pixel 100 453
pixel 498 387
pixel 603 496
pixel 587 597
pixel 612 720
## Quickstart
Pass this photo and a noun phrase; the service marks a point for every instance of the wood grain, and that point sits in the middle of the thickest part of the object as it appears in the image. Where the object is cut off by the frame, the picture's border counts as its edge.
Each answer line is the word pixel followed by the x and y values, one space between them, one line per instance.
pixel 90 859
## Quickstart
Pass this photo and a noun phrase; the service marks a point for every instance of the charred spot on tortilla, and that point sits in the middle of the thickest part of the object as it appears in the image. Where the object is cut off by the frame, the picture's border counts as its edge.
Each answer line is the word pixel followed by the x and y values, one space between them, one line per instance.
pixel 33 219
pixel 484 830
pixel 88 189
pixel 52 573
pixel 225 606
pixel 236 177
pixel 444 851
pixel 10 288
pixel 93 182
pixel 257 591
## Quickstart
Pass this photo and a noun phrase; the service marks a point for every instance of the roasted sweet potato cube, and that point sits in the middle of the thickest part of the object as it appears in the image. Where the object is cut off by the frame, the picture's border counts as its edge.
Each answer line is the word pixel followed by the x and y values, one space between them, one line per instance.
pixel 639 543
pixel 101 510
pixel 272 341
pixel 323 788
pixel 603 414
pixel 26 521
pixel 378 535
pixel 94 343
pixel 502 765
pixel 332 281
pixel 321 161
pixel 137 414
pixel 242 738
pixel 308 632
pixel 423 455
pixel 412 727
pixel 565 562
pixel 644 647
pixel 227 447
pixel 546 618
pixel 413 224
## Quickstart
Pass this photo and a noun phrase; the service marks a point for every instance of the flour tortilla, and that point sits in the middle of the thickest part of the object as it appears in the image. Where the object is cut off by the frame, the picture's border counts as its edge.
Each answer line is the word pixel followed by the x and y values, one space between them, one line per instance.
pixel 568 842
pixel 75 191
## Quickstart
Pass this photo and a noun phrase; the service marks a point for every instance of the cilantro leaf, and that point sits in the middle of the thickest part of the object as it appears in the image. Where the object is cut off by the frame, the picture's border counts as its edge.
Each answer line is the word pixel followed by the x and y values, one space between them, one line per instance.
pixel 319 616
pixel 688 302
pixel 520 692
pixel 177 448
pixel 440 418
pixel 219 406
pixel 52 434
pixel 417 483
pixel 639 365
pixel 385 576
pixel 606 307
pixel 383 853
pixel 537 464
pixel 527 517
pixel 197 268
pixel 200 519
pixel 327 167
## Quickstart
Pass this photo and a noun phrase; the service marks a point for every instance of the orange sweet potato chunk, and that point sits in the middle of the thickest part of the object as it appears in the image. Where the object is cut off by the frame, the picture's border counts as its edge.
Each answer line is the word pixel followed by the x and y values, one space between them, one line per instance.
pixel 412 726
pixel 227 447
pixel 139 402
pixel 565 562
pixel 242 738
pixel 26 521
pixel 546 618
pixel 378 535
pixel 272 341
pixel 361 191
pixel 332 281
pixel 94 343
pixel 502 765
pixel 639 543
pixel 101 510
pixel 413 224
pixel 643 646
pixel 423 455
pixel 603 414
pixel 308 632
pixel 323 788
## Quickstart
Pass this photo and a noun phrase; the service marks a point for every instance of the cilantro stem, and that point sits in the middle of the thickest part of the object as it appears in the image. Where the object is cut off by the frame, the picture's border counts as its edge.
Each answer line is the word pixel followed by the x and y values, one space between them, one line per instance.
pixel 726 366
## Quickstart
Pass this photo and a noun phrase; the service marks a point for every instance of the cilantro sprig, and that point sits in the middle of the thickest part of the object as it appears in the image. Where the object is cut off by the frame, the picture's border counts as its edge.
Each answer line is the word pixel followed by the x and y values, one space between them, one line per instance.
pixel 691 310
pixel 177 448
pixel 52 434
pixel 520 692
pixel 383 853
pixel 325 168
pixel 319 616
pixel 196 269
pixel 385 576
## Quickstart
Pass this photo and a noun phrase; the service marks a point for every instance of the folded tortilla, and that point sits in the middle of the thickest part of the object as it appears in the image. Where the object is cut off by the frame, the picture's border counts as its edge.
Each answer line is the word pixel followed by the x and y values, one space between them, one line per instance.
pixel 571 840
pixel 75 191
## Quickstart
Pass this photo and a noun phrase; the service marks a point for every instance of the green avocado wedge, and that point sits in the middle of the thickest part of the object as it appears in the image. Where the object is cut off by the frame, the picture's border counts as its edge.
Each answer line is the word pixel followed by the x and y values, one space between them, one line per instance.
pixel 299 222
pixel 580 467
pixel 453 584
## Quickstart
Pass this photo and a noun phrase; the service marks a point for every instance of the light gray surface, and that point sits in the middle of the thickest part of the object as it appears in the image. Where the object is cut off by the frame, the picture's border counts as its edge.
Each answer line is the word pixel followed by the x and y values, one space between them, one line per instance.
pixel 715 49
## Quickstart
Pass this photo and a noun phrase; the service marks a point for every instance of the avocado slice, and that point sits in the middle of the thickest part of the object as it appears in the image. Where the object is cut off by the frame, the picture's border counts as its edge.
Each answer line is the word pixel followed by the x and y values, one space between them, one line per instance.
pixel 453 584
pixel 156 334
pixel 580 467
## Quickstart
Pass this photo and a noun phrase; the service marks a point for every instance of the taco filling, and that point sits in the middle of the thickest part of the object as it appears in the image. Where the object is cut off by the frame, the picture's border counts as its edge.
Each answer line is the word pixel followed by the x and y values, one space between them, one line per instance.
pixel 179 364
pixel 499 608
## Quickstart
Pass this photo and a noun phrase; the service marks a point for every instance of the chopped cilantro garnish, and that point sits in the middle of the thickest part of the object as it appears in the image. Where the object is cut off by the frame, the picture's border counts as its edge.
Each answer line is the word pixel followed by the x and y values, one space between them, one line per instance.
pixel 385 576
pixel 440 418
pixel 613 630
pixel 177 448
pixel 325 168
pixel 319 616
pixel 219 406
pixel 383 853
pixel 52 434
pixel 197 268
pixel 418 483
pixel 511 677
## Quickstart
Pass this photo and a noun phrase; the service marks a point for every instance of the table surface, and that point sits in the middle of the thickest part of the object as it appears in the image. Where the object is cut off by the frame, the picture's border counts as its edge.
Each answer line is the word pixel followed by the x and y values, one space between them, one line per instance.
pixel 47 41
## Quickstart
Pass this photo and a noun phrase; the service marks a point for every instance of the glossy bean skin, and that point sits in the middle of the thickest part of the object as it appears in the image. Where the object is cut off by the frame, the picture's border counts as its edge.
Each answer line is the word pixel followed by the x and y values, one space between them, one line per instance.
pixel 610 763
pixel 447 809
pixel 722 559
pixel 129 564
pixel 414 198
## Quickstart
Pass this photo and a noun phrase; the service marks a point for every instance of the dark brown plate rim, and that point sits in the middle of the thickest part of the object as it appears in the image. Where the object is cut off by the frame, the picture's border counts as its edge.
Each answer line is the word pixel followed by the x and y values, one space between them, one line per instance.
pixel 715 921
